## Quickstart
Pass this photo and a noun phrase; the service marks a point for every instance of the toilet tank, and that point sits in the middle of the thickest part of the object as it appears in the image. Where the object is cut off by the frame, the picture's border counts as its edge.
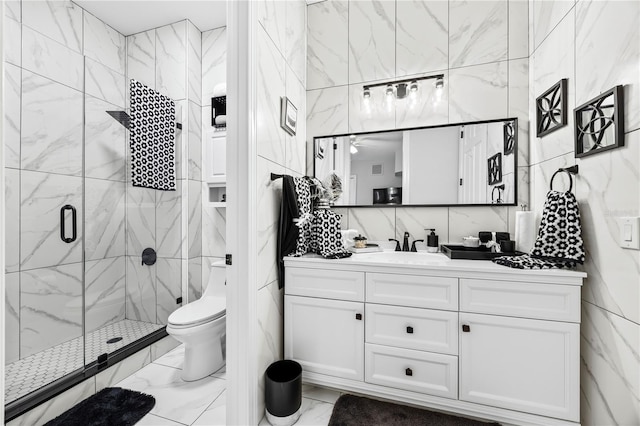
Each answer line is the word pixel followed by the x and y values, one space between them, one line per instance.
pixel 216 284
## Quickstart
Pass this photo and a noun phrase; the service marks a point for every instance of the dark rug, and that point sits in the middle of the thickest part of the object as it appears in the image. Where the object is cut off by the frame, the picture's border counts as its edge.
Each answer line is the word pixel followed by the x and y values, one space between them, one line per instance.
pixel 350 410
pixel 109 407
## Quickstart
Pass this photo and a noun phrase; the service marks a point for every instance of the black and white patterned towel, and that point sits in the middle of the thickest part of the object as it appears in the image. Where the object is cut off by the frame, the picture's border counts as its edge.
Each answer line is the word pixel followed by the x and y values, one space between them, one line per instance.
pixel 559 242
pixel 152 138
pixel 303 195
pixel 326 238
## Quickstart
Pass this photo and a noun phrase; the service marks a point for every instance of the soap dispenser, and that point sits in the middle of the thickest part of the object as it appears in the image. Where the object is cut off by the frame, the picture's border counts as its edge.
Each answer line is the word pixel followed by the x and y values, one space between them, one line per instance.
pixel 432 241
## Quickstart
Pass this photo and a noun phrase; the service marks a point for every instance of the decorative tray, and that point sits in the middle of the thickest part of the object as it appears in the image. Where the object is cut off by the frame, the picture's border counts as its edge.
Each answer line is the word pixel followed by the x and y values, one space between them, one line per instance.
pixel 454 251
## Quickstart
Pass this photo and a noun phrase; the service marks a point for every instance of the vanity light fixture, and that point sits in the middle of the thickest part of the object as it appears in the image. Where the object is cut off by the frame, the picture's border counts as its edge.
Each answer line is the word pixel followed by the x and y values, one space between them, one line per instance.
pixel 401 88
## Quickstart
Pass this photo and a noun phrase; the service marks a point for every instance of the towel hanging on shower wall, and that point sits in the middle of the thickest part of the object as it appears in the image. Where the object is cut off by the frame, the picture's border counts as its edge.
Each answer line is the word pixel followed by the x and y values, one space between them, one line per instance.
pixel 152 138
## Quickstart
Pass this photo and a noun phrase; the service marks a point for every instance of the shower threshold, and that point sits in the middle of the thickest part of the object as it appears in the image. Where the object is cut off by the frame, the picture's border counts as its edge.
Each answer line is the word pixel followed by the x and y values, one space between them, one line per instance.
pixel 50 372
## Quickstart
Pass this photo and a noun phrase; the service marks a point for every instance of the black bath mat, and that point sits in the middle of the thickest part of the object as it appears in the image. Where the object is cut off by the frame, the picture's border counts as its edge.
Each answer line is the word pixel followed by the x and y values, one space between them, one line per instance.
pixel 351 410
pixel 109 407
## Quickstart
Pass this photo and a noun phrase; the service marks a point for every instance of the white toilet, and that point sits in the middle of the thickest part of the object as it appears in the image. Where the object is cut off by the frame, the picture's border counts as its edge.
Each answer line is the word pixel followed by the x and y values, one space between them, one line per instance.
pixel 201 326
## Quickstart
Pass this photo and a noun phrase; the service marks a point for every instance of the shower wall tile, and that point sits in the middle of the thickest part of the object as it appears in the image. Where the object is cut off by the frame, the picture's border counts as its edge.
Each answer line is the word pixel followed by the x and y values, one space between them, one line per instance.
pixel 477 32
pixel 105 291
pixel 104 142
pixel 123 369
pixel 12 219
pixel 12 42
pixel 141 220
pixel 105 219
pixel 141 290
pixel 104 44
pixel 518 29
pixel 607 52
pixel 11 317
pixel 194 134
pixel 214 61
pixel 376 113
pixel 171 60
pixel 465 221
pixel 104 83
pixel 295 42
pixel 50 59
pixel 141 58
pixel 181 139
pixel 372 47
pixel 41 197
pixel 194 63
pixel 295 145
pixel 422 36
pixel 488 83
pixel 195 220
pixel 51 126
pixel 272 15
pixel 377 224
pixel 431 107
pixel 168 211
pixel 50 307
pixel 163 346
pixel 415 220
pixel 268 204
pixel 13 10
pixel 169 288
pixel 271 79
pixel 194 291
pixel 214 222
pixel 546 15
pixel 12 115
pixel 58 20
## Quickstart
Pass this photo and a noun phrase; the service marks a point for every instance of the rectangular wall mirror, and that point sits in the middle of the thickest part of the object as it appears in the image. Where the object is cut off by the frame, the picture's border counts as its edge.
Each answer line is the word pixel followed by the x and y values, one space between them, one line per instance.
pixel 453 164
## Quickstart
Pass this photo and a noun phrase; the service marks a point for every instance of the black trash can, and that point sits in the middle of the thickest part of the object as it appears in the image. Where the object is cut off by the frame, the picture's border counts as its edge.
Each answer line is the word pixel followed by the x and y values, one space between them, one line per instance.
pixel 283 392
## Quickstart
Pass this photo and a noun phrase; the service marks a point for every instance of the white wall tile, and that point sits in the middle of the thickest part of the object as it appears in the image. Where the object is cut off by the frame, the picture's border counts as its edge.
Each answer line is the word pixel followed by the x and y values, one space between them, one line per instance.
pixel 377 224
pixel 12 115
pixel 104 141
pixel 607 52
pixel 171 60
pixel 12 44
pixel 327 44
pixel 194 63
pixel 518 28
pixel 141 58
pixel 104 44
pixel 168 232
pixel 196 228
pixel 194 135
pixel 268 204
pixel 50 307
pixel 371 40
pixel 477 32
pixel 430 107
pixel 104 202
pixel 295 42
pixel 422 36
pixel 327 111
pixel 58 20
pixel 169 288
pixel 415 220
pixel 13 10
pixel 541 174
pixel 123 369
pixel 519 105
pixel 12 219
pixel 195 279
pixel 465 221
pixel 295 155
pixel 488 83
pixel 104 283
pixel 271 80
pixel 51 59
pixel 214 231
pixel 40 243
pixel 270 312
pixel 376 113
pixel 272 15
pixel 214 61
pixel 12 317
pixel 163 346
pixel 141 290
pixel 104 83
pixel 546 15
pixel 141 219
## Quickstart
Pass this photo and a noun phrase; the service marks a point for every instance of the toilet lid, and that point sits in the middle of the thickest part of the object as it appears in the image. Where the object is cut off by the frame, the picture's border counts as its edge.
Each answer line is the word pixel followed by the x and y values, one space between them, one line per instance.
pixel 202 310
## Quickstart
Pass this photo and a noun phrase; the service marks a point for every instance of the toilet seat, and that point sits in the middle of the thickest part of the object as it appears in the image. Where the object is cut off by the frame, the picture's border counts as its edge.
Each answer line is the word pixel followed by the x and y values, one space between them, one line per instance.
pixel 201 311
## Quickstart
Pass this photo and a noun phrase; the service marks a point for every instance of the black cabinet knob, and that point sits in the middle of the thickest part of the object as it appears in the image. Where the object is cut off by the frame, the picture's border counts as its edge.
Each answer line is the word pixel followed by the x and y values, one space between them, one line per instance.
pixel 408 372
pixel 409 329
pixel 466 328
pixel 358 317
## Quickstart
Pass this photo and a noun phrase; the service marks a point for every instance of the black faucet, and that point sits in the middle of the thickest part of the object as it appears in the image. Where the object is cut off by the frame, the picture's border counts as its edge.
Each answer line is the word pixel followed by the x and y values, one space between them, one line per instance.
pixel 397 243
pixel 413 246
pixel 405 243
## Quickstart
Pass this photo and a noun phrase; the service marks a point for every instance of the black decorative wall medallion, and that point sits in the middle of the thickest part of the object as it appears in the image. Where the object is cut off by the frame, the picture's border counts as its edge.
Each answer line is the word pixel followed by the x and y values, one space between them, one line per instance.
pixel 551 109
pixel 509 138
pixel 494 168
pixel 600 123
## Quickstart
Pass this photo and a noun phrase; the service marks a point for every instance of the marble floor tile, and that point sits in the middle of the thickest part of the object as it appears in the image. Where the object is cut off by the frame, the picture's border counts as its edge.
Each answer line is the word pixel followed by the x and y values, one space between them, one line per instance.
pixel 216 413
pixel 314 413
pixel 320 393
pixel 176 399
pixel 151 420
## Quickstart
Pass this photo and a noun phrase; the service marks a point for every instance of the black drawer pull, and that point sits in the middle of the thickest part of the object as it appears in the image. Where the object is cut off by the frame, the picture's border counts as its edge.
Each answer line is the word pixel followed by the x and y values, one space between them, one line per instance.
pixel 358 317
pixel 408 372
pixel 466 328
pixel 409 329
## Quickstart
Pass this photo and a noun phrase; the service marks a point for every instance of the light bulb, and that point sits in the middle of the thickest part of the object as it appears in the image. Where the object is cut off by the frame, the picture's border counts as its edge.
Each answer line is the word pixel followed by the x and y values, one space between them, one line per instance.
pixel 439 83
pixel 389 90
pixel 413 87
pixel 366 93
pixel 353 149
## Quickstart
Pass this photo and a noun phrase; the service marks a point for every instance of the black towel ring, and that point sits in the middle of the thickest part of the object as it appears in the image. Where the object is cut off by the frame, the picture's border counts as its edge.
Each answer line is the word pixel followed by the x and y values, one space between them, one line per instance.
pixel 570 171
pixel 500 188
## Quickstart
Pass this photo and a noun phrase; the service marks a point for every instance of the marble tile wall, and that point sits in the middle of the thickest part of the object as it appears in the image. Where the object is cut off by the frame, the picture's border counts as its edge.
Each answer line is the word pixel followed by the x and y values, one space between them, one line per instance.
pixel 596 45
pixel 481 47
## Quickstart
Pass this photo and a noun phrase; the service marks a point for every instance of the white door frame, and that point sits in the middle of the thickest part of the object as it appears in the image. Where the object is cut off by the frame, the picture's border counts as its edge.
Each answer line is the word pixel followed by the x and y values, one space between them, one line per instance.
pixel 2 197
pixel 241 229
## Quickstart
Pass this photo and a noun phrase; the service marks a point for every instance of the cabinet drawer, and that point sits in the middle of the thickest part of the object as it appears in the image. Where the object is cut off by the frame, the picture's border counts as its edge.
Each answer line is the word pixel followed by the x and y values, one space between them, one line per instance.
pixel 342 285
pixel 412 328
pixel 413 290
pixel 424 372
pixel 541 301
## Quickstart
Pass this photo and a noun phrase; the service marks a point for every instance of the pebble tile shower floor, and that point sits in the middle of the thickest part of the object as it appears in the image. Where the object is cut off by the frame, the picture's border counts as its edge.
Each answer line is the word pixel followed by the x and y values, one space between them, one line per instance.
pixel 33 372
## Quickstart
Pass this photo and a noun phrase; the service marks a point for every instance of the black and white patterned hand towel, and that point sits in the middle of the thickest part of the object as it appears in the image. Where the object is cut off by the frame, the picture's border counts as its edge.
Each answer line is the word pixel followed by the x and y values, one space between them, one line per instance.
pixel 326 239
pixel 152 138
pixel 559 242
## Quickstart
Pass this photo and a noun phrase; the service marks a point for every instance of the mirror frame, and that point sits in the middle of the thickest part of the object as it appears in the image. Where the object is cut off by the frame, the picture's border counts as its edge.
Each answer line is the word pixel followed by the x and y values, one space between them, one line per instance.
pixel 435 126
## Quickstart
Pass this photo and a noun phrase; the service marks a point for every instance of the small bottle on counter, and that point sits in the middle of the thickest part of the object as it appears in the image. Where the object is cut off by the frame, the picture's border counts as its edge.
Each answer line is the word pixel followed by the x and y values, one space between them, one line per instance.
pixel 432 241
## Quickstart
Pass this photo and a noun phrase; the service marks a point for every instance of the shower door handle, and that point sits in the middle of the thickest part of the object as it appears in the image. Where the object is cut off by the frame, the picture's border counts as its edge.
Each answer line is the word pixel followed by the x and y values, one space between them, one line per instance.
pixel 74 224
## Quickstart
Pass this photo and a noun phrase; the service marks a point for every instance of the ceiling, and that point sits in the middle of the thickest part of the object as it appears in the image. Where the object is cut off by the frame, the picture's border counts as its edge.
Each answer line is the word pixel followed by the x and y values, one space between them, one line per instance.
pixel 134 16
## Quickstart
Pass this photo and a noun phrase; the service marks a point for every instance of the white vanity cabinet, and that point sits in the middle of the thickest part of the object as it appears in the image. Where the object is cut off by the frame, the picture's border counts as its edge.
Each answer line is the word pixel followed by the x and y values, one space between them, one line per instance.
pixel 467 337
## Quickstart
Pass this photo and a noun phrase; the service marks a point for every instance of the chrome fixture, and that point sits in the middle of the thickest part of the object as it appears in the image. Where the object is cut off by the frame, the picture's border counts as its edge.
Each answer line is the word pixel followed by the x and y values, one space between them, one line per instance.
pixel 401 88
